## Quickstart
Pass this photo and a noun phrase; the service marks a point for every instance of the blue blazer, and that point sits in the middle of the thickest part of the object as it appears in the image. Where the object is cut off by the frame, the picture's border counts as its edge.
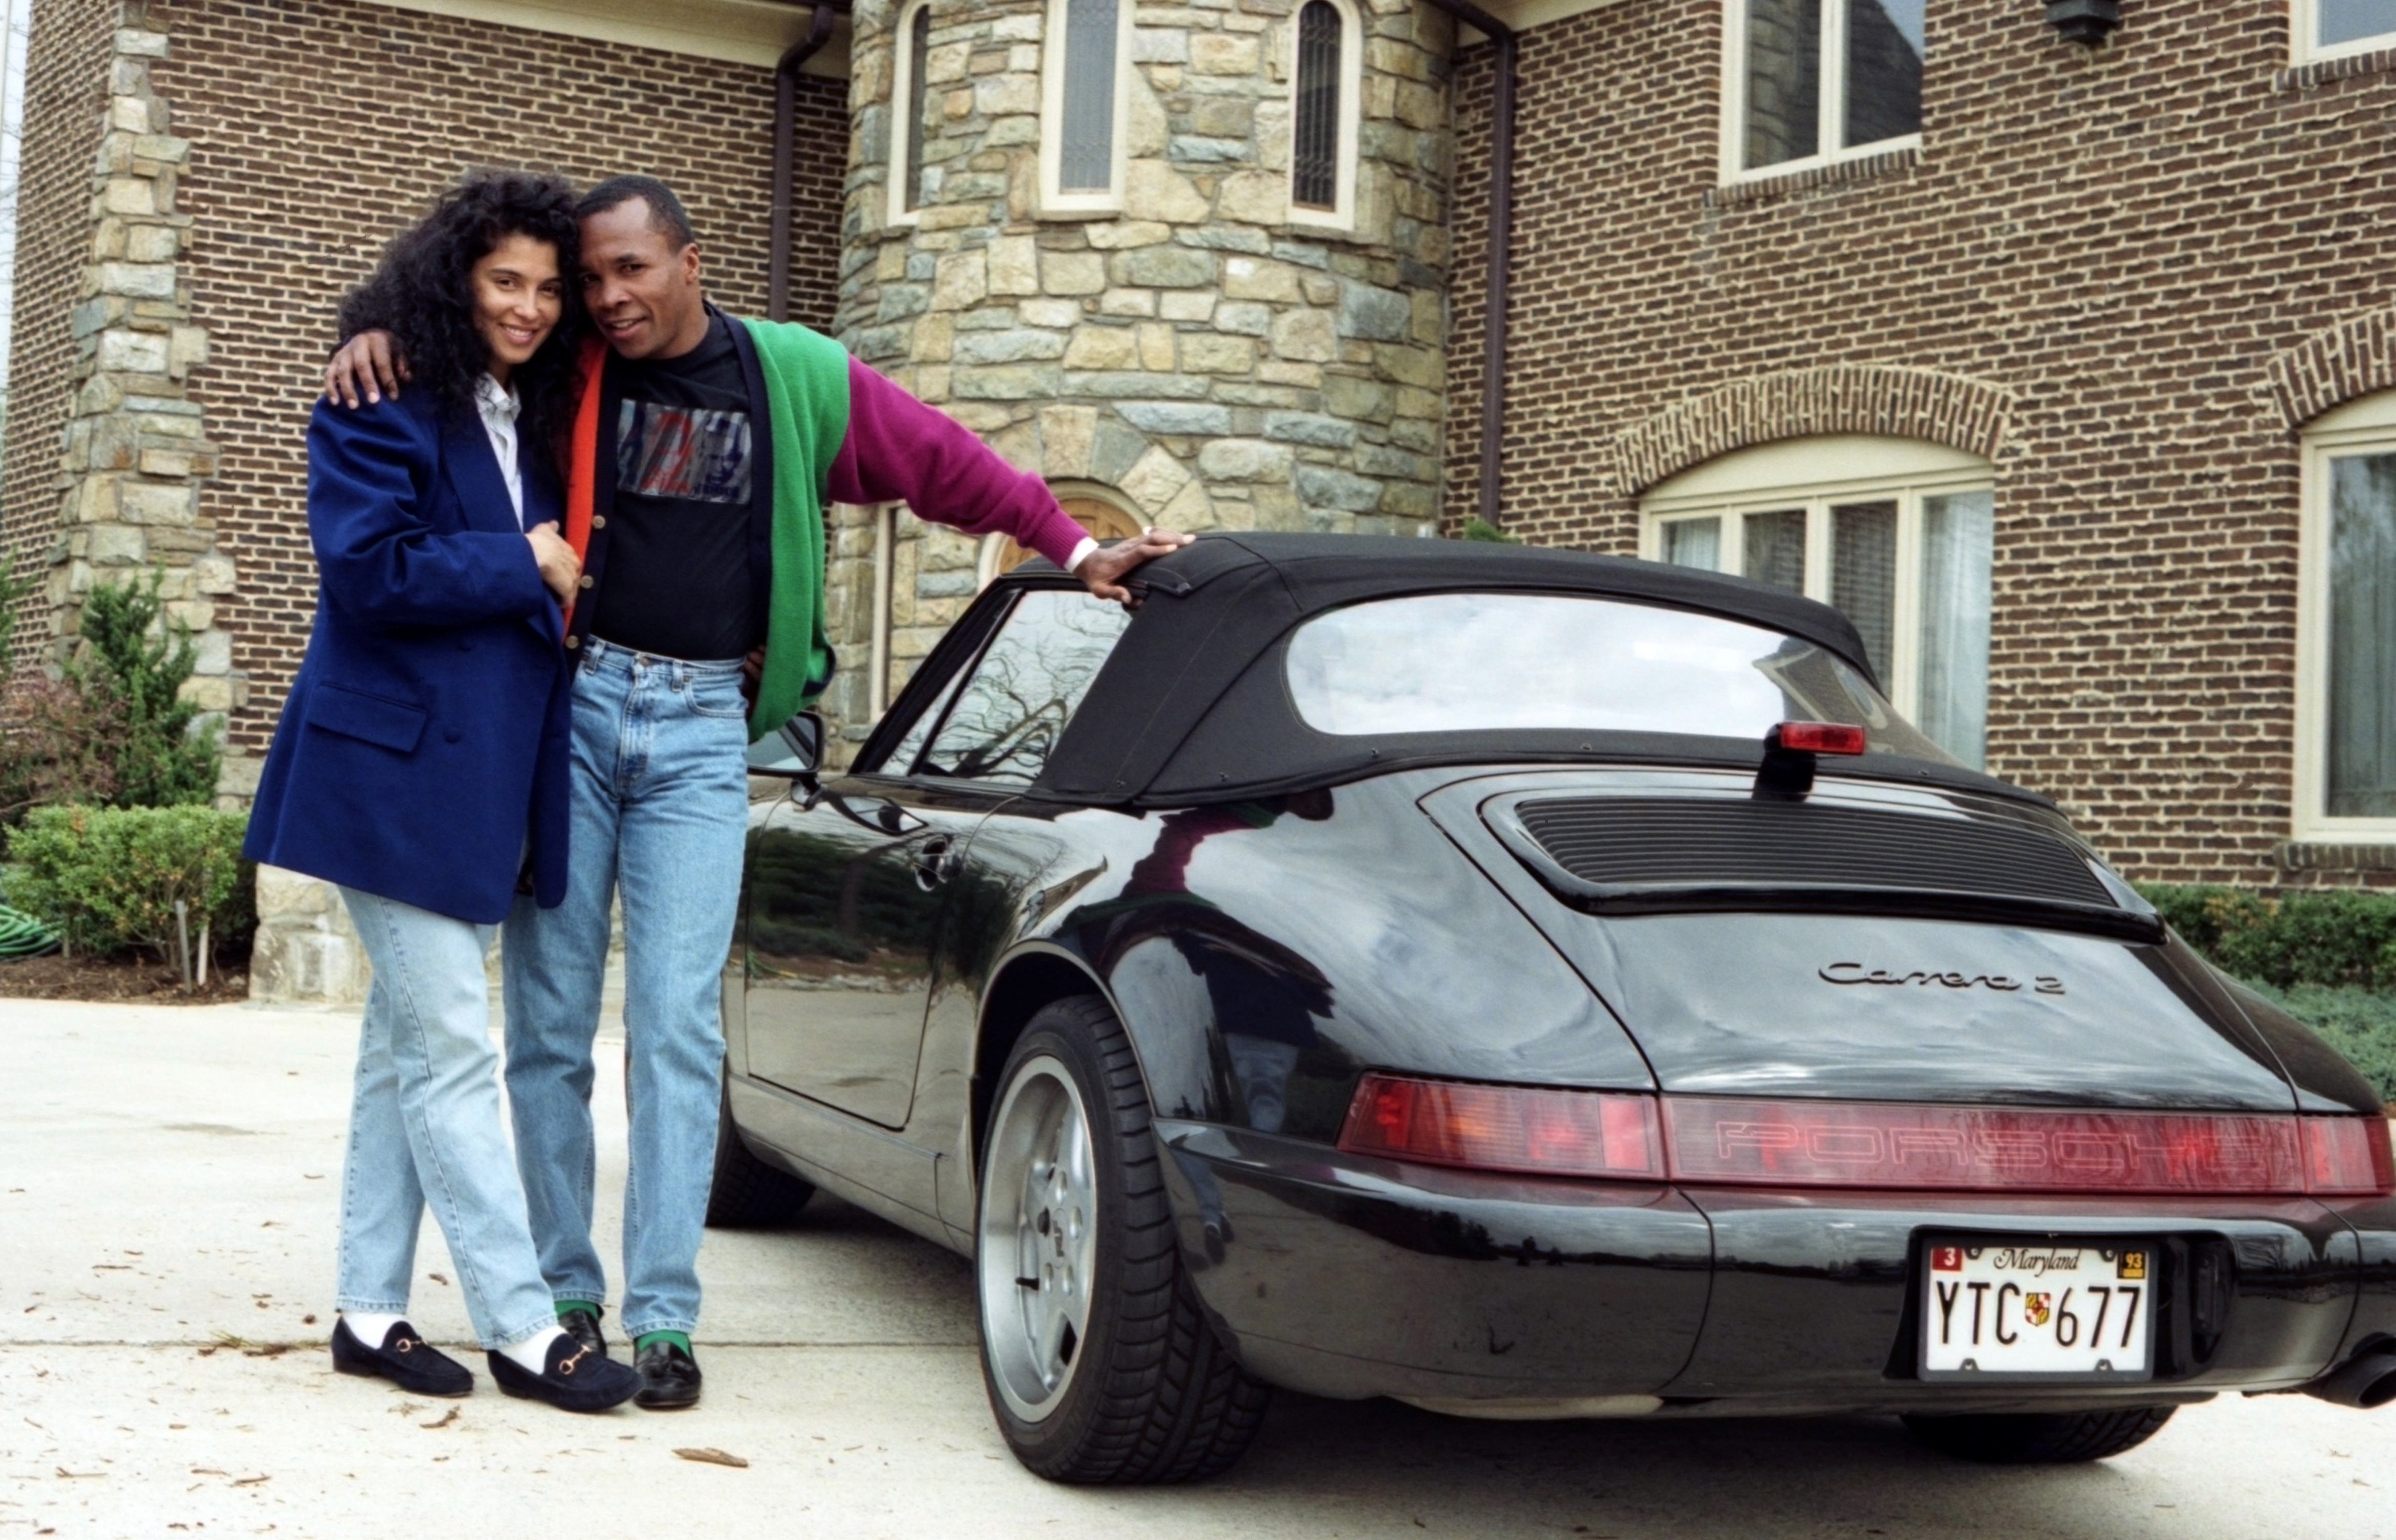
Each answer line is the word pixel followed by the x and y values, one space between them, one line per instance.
pixel 425 739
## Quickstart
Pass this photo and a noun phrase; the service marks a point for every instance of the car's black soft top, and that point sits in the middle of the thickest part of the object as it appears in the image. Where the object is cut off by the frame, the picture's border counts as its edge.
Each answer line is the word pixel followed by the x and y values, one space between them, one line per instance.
pixel 1192 705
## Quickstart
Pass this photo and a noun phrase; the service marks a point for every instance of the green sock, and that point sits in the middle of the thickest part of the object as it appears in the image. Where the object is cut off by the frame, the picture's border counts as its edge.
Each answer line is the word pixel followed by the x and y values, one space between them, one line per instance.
pixel 680 1339
pixel 567 1307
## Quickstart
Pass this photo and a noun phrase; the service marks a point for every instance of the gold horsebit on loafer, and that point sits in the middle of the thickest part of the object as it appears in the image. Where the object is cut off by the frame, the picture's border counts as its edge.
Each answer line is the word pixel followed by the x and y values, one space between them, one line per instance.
pixel 567 1367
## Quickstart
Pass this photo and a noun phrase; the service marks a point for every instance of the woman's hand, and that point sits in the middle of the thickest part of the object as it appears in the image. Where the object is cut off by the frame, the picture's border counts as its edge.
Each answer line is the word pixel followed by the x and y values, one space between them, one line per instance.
pixel 560 568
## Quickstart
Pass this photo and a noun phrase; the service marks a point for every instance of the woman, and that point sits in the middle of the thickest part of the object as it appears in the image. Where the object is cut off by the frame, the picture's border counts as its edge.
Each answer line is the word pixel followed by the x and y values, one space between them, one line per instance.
pixel 420 764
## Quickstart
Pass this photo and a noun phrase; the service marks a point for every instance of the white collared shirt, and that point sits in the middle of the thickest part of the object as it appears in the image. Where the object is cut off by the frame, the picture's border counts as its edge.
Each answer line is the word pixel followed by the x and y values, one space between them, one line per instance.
pixel 497 406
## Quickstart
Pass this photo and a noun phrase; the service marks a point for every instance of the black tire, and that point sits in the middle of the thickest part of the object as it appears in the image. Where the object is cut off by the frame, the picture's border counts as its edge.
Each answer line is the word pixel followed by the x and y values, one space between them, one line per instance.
pixel 2027 1438
pixel 1155 1395
pixel 746 1193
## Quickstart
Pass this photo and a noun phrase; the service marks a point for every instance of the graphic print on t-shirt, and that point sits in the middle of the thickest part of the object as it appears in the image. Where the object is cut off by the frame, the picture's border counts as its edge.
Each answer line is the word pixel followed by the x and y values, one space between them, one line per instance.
pixel 681 451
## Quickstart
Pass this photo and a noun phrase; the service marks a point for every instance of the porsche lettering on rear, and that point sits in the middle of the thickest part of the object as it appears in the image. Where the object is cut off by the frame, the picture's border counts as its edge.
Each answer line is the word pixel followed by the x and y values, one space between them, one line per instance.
pixel 1856 972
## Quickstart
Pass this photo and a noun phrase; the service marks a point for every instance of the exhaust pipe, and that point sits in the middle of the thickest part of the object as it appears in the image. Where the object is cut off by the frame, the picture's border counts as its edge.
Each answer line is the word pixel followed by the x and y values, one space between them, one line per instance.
pixel 2366 1381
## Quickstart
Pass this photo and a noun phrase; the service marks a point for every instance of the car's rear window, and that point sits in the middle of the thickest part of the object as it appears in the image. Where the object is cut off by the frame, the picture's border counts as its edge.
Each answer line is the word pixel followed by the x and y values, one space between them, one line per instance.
pixel 1500 662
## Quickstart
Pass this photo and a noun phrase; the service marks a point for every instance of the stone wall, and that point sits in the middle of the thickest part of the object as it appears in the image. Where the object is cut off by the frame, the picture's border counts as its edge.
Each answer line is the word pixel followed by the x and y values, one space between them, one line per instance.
pixel 1195 356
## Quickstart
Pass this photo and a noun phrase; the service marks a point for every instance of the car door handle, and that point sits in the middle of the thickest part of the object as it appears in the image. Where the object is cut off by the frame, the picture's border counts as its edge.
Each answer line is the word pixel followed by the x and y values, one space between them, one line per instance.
pixel 932 862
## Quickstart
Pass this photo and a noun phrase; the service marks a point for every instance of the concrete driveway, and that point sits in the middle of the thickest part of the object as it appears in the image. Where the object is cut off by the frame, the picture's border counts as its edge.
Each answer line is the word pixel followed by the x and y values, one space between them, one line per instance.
pixel 167 1203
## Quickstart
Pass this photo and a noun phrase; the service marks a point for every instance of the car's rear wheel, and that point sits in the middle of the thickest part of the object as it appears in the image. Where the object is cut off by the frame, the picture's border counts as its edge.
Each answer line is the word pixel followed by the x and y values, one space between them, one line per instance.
pixel 746 1193
pixel 2023 1437
pixel 1102 1367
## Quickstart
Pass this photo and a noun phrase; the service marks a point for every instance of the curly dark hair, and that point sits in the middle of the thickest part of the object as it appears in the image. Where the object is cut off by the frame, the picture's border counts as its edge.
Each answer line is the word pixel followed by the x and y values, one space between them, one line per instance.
pixel 423 293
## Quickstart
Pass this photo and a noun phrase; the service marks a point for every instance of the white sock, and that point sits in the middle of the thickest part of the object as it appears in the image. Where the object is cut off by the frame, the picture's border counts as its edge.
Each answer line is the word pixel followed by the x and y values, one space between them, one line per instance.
pixel 370 1329
pixel 533 1351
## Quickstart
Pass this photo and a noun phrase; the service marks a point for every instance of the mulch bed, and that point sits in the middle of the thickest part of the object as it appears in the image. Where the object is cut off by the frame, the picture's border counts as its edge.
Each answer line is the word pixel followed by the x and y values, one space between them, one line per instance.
pixel 149 982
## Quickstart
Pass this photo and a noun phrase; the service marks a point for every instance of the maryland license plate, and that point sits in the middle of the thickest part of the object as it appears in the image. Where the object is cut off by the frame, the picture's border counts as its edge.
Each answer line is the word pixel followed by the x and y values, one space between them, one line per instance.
pixel 2037 1309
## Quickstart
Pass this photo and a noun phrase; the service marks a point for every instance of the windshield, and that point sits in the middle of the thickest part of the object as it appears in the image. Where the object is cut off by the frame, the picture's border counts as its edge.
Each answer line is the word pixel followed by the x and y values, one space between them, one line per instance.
pixel 1501 662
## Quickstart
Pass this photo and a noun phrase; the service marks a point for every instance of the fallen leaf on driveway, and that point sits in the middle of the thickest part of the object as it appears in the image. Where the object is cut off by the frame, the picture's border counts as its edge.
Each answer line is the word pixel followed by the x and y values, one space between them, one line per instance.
pixel 704 1456
pixel 64 1474
pixel 446 1418
pixel 253 1480
pixel 269 1350
pixel 437 1277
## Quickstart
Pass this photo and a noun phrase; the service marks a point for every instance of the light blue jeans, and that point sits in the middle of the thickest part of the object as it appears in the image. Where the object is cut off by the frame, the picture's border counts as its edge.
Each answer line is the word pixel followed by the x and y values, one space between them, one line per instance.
pixel 661 811
pixel 425 1127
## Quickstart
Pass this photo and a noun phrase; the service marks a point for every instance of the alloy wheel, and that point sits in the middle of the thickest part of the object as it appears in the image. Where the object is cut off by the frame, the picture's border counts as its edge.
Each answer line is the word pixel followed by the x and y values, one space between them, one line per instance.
pixel 1037 1250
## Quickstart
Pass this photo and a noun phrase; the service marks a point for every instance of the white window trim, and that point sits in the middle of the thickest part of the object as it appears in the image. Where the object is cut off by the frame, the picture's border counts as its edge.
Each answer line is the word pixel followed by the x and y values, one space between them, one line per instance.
pixel 902 132
pixel 1342 215
pixel 2369 423
pixel 2303 25
pixel 1053 200
pixel 1908 487
pixel 1828 122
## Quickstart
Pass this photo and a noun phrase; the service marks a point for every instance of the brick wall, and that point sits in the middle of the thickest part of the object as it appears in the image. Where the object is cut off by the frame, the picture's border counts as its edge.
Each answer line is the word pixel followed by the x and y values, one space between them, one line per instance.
pixel 319 129
pixel 66 97
pixel 2116 243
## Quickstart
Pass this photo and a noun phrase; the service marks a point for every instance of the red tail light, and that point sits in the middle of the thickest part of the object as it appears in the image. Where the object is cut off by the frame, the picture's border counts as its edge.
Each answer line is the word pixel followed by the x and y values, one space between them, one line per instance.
pixel 1889 1147
pixel 1968 1149
pixel 1819 738
pixel 2349 1155
pixel 1505 1128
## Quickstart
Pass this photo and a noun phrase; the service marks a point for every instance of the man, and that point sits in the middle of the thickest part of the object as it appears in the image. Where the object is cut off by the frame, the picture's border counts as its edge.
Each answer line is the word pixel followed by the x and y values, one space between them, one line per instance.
pixel 701 458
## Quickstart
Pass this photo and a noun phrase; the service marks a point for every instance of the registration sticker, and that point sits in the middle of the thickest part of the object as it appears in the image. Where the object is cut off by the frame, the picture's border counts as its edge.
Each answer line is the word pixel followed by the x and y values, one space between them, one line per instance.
pixel 2037 1309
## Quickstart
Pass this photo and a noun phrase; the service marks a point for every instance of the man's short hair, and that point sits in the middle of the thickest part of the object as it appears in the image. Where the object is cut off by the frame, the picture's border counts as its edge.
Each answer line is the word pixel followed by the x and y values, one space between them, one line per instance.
pixel 665 212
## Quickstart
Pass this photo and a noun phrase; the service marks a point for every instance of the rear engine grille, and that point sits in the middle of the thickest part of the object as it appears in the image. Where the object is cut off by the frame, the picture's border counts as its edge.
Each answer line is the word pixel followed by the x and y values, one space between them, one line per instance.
pixel 1637 843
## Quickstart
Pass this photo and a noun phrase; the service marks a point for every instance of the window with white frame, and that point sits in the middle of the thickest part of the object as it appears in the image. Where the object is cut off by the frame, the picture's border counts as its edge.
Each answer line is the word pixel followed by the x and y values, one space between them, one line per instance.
pixel 1085 66
pixel 1807 81
pixel 1327 76
pixel 2346 636
pixel 909 100
pixel 1897 533
pixel 2330 29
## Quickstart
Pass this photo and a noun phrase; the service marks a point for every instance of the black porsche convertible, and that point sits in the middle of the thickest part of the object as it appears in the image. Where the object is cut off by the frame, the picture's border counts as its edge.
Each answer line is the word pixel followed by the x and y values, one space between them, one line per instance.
pixel 1526 984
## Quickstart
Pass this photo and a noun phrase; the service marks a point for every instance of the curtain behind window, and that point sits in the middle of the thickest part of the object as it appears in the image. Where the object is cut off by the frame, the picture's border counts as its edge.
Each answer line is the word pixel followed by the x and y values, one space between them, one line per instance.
pixel 2362 782
pixel 919 54
pixel 1958 540
pixel 1085 162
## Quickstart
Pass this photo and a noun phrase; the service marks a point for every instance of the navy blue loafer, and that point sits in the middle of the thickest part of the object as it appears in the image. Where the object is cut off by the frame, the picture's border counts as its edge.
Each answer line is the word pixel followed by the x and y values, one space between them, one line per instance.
pixel 405 1359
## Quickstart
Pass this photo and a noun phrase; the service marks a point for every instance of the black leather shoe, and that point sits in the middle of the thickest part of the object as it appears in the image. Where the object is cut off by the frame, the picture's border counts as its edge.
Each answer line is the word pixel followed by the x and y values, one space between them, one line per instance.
pixel 668 1378
pixel 405 1359
pixel 576 1379
pixel 583 1327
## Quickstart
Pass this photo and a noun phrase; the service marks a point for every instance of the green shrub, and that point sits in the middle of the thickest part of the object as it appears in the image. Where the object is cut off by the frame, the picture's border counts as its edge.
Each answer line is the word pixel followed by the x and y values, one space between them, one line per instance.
pixel 2358 1023
pixel 1479 528
pixel 109 878
pixel 135 659
pixel 2333 938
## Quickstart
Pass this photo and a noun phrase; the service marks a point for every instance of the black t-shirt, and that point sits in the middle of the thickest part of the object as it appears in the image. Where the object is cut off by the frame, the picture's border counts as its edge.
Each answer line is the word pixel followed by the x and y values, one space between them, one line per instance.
pixel 678 578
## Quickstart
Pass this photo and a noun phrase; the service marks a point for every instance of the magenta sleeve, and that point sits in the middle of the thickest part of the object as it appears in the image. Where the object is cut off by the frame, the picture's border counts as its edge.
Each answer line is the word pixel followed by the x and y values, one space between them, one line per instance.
pixel 901 450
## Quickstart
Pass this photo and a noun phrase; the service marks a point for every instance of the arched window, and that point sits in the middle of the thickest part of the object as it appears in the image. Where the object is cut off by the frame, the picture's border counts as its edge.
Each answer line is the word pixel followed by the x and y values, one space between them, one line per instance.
pixel 1102 513
pixel 1897 533
pixel 908 97
pixel 1328 72
pixel 2345 631
pixel 1084 61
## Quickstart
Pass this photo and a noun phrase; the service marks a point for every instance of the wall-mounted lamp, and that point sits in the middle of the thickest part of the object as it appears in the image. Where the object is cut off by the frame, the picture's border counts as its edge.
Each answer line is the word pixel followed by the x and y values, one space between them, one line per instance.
pixel 2083 21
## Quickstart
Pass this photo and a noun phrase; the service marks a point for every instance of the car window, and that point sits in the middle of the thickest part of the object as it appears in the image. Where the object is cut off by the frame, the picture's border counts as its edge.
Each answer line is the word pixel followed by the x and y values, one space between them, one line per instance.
pixel 1022 692
pixel 901 758
pixel 1495 662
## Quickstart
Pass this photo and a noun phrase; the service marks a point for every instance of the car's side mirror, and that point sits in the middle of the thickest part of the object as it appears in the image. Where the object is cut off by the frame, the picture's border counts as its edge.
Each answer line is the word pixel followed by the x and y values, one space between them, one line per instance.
pixel 794 750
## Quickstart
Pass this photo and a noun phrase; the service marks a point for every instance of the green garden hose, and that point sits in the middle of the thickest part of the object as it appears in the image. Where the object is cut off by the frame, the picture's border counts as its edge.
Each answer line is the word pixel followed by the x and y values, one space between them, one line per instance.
pixel 22 936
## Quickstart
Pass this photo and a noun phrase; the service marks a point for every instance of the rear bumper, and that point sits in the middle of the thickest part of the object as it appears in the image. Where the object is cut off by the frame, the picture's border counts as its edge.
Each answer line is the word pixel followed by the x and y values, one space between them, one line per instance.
pixel 1351 1277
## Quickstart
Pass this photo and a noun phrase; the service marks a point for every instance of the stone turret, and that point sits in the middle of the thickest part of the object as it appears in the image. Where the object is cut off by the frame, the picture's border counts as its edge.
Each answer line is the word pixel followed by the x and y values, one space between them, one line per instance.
pixel 1183 345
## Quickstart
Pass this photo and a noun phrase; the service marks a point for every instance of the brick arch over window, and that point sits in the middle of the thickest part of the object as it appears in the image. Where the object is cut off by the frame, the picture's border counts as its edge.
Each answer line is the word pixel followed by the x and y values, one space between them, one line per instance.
pixel 2332 366
pixel 1839 398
